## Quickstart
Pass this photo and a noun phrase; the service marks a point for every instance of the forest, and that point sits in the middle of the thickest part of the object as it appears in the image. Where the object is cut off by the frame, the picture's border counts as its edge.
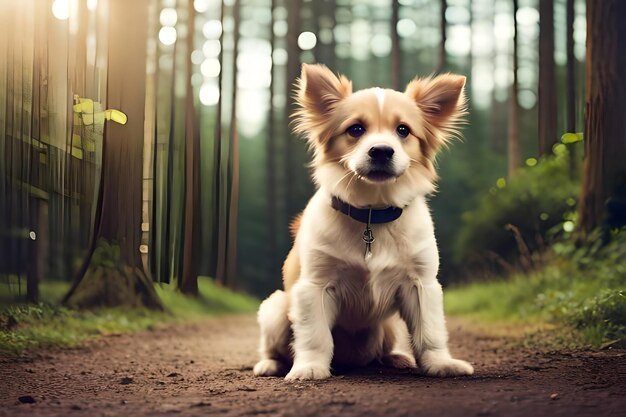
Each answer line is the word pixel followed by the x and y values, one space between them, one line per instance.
pixel 149 170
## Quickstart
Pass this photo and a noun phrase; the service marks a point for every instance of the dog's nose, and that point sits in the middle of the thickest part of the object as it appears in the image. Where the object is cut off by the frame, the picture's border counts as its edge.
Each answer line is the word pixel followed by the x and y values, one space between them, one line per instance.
pixel 380 153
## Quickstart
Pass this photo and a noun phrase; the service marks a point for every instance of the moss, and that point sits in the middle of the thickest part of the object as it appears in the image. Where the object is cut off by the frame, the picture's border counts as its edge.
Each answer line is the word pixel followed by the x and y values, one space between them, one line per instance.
pixel 108 282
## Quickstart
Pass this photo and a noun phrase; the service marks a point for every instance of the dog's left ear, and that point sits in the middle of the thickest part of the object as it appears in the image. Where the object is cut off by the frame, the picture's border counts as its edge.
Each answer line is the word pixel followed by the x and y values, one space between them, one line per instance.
pixel 441 99
pixel 318 91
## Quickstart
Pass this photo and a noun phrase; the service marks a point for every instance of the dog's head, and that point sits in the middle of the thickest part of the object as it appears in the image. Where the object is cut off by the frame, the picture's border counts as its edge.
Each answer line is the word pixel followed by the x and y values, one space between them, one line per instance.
pixel 376 146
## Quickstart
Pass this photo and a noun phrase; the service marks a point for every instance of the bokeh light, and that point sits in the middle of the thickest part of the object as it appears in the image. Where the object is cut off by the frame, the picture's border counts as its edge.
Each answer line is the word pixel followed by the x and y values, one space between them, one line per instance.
pixel 167 35
pixel 279 56
pixel 168 17
pixel 61 9
pixel 211 48
pixel 307 40
pixel 210 67
pixel 201 6
pixel 527 16
pixel 380 45
pixel 212 29
pixel 405 28
pixel 209 94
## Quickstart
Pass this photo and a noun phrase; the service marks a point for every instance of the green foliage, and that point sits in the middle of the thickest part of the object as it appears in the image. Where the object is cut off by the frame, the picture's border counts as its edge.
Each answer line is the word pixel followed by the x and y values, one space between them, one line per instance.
pixel 568 138
pixel 27 326
pixel 45 325
pixel 582 288
pixel 536 200
pixel 213 299
pixel 106 254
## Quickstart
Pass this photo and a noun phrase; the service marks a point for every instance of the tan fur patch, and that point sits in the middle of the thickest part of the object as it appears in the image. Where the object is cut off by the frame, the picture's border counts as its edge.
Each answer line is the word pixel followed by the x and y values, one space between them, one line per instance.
pixel 291 267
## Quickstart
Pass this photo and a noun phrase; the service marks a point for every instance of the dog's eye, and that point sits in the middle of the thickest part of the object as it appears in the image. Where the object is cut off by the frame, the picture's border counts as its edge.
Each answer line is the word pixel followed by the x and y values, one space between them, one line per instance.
pixel 403 131
pixel 356 130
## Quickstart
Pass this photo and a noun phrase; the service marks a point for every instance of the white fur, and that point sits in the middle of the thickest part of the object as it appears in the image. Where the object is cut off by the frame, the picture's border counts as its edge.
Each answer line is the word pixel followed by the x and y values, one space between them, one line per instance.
pixel 337 288
pixel 380 96
pixel 346 308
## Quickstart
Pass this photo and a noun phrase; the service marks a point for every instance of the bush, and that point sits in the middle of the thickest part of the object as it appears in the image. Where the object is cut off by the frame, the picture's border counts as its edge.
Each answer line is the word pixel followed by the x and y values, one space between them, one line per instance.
pixel 519 216
pixel 581 287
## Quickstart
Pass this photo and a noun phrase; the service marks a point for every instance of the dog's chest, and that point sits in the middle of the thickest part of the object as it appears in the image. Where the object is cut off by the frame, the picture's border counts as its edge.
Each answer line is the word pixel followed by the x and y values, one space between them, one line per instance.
pixel 367 285
pixel 365 297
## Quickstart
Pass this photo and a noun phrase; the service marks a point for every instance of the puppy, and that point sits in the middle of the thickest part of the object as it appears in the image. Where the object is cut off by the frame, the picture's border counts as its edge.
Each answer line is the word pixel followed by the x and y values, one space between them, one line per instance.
pixel 360 283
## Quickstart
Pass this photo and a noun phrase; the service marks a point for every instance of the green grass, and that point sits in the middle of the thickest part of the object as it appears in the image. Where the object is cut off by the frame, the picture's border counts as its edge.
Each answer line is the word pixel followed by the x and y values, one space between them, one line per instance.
pixel 580 291
pixel 47 324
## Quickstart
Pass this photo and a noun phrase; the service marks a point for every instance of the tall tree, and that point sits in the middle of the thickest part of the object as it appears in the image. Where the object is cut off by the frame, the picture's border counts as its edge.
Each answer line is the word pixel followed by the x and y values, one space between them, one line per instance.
pixel 270 149
pixel 571 80
pixel 219 209
pixel 294 23
pixel 514 155
pixel 395 46
pixel 231 253
pixel 495 133
pixel 113 273
pixel 228 153
pixel 547 78
pixel 604 176
pixel 441 56
pixel 188 281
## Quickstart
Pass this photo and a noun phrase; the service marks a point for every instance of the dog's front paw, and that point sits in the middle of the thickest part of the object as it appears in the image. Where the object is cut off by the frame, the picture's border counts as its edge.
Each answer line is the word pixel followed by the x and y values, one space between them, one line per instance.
pixel 442 364
pixel 268 367
pixel 308 371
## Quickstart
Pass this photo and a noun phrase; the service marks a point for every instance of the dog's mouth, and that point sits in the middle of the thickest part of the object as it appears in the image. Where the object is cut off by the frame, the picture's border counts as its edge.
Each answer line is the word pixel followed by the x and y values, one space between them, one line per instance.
pixel 377 175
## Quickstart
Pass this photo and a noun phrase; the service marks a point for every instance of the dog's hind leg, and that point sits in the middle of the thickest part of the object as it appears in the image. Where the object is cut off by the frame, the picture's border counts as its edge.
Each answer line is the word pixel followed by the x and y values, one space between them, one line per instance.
pixel 275 336
pixel 397 349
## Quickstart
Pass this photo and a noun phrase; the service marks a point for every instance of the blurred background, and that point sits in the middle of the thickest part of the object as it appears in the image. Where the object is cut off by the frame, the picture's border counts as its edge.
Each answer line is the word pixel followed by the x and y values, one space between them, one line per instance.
pixel 208 174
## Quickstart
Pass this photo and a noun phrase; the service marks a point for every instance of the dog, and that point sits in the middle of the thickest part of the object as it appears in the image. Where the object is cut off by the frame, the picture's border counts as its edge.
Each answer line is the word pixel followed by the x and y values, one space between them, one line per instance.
pixel 360 282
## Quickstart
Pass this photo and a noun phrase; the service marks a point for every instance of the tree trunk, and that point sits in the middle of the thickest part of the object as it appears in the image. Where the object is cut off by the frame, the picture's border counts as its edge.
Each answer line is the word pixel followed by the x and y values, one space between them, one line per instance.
pixel 547 78
pixel 604 176
pixel 571 82
pixel 293 71
pixel 113 273
pixel 233 208
pixel 495 135
pixel 441 57
pixel 514 155
pixel 395 46
pixel 270 149
pixel 219 242
pixel 188 281
pixel 326 51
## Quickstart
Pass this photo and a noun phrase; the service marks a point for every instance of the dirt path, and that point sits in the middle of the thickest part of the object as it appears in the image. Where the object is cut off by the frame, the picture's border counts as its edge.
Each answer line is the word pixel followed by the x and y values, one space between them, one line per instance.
pixel 205 369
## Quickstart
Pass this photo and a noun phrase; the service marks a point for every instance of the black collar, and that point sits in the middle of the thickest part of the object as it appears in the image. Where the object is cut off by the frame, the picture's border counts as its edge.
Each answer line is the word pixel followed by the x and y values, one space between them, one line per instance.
pixel 367 215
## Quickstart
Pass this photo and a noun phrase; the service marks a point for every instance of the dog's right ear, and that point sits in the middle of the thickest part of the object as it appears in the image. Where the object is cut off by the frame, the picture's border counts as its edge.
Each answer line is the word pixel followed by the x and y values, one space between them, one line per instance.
pixel 318 90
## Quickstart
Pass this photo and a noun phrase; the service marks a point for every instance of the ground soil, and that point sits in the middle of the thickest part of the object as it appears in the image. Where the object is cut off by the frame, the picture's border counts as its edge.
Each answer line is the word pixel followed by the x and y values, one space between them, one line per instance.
pixel 204 369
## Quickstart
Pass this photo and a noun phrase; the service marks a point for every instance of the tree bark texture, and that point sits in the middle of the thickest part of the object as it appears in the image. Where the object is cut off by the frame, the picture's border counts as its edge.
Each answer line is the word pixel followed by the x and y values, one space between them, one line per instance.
pixel 441 56
pixel 571 82
pixel 547 78
pixel 113 272
pixel 233 207
pixel 188 281
pixel 514 156
pixel 395 46
pixel 294 24
pixel 604 174
pixel 272 240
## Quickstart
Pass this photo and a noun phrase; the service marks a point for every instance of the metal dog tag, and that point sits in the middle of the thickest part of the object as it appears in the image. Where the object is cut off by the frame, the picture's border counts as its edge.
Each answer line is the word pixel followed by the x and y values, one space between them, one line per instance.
pixel 368 237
